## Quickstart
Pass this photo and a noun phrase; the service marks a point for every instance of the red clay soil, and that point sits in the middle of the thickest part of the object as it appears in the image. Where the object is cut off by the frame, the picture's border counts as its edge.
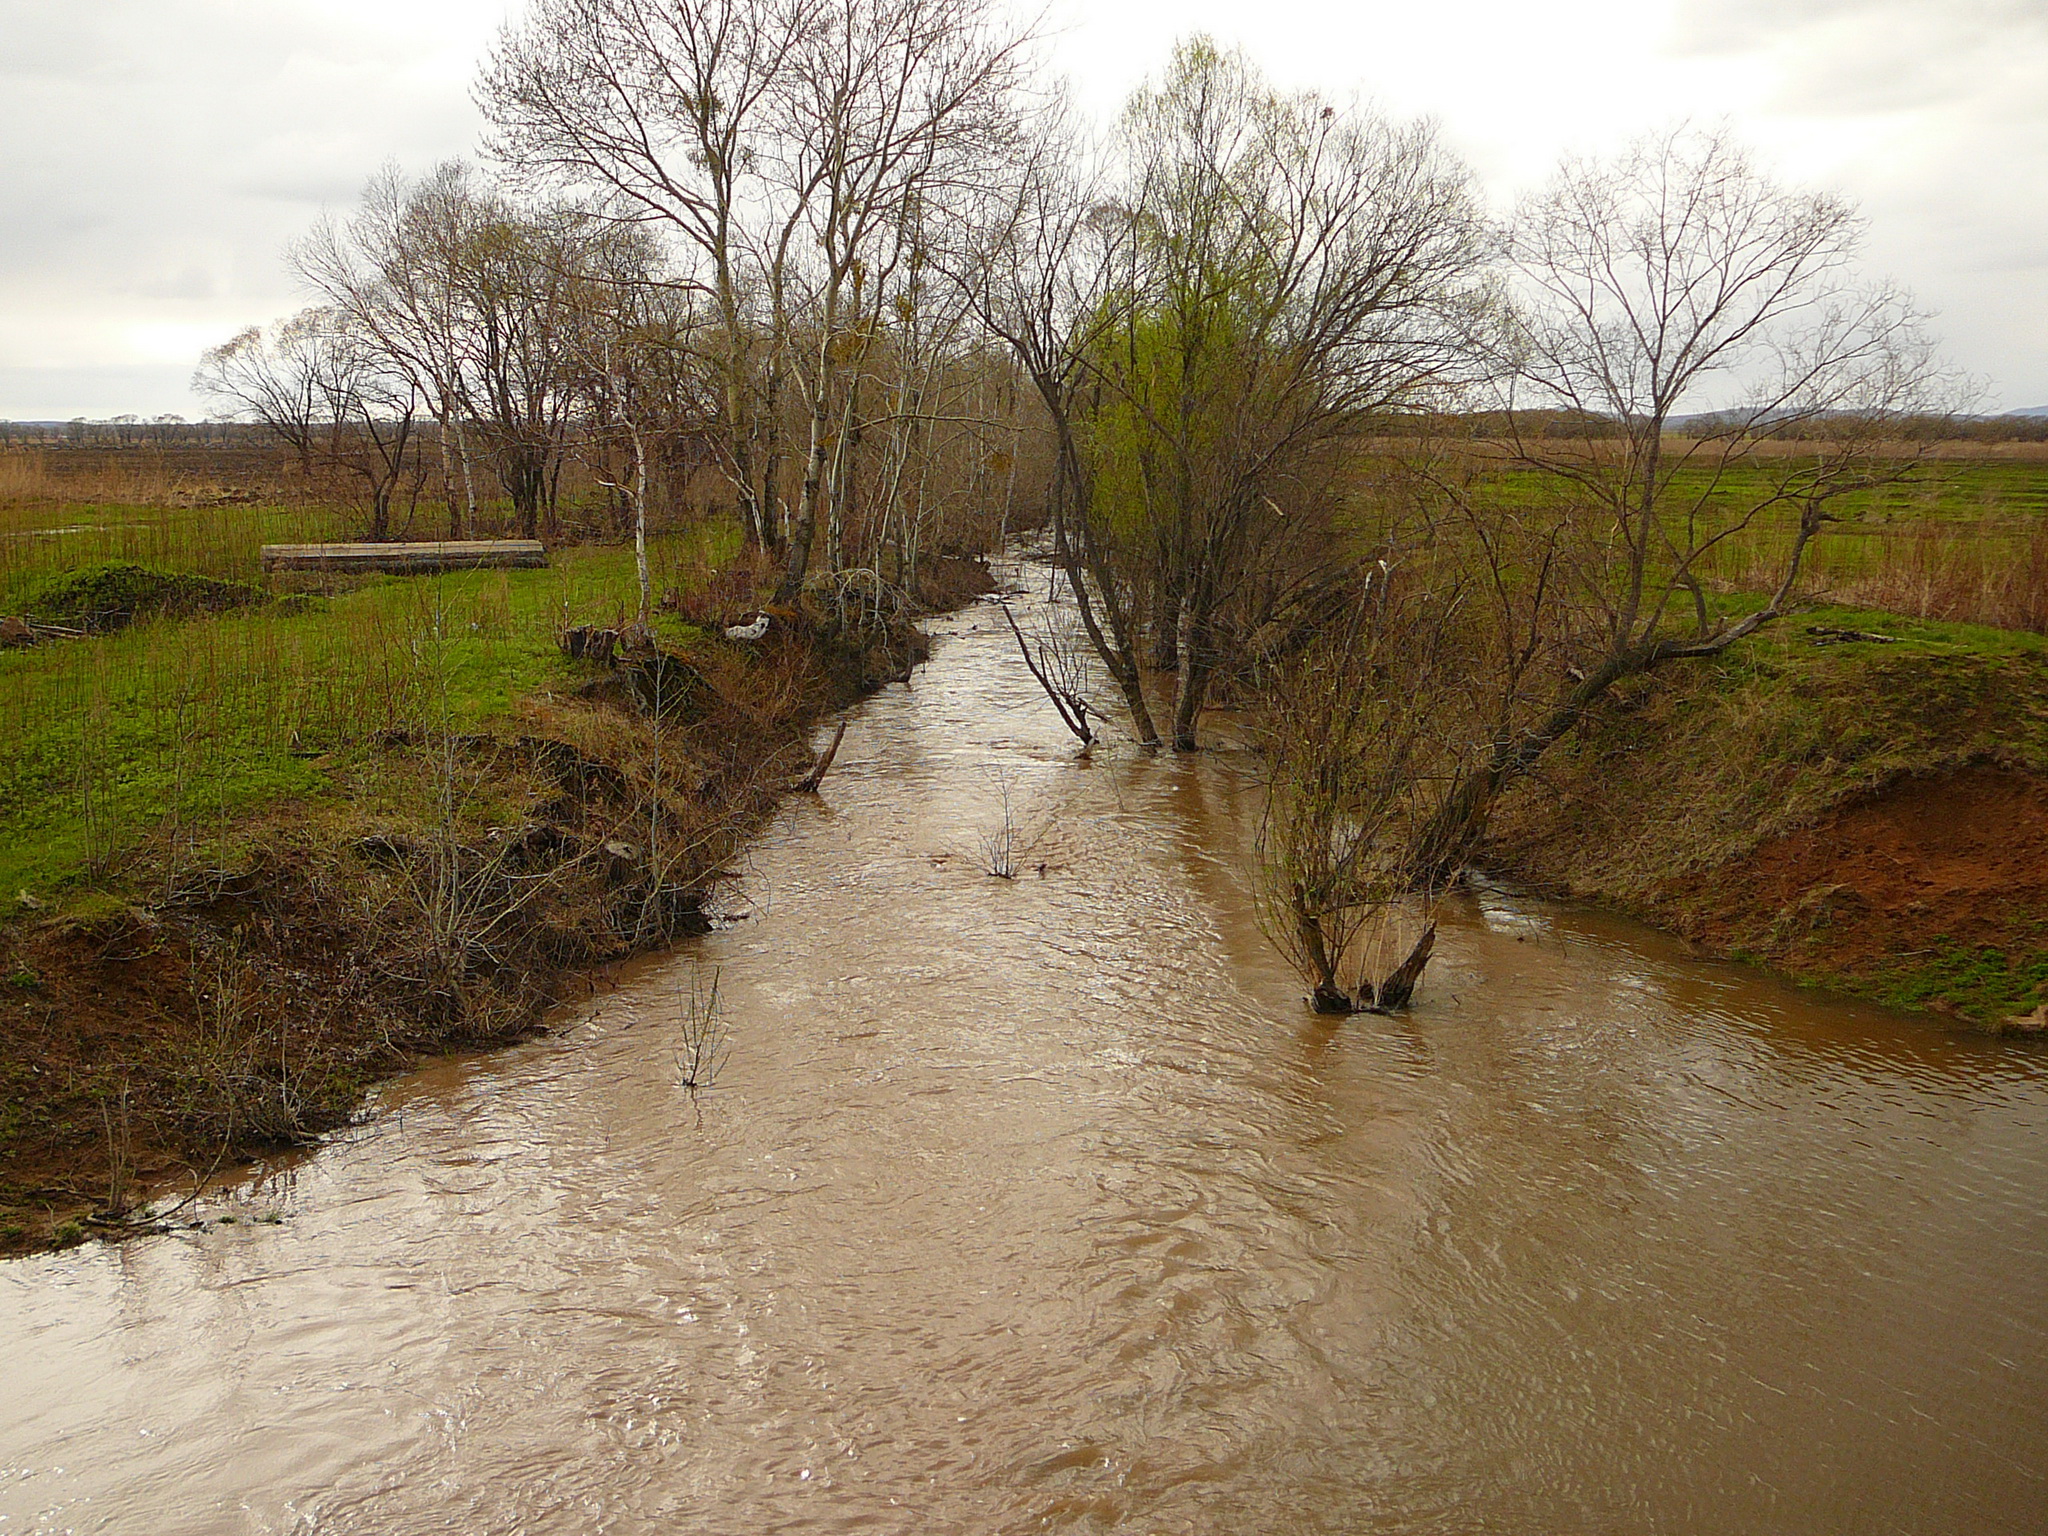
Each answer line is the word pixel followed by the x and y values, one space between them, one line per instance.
pixel 1956 860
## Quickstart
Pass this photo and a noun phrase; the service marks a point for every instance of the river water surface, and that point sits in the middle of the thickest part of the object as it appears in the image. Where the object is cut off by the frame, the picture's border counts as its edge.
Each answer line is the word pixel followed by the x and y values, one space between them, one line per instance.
pixel 1047 1206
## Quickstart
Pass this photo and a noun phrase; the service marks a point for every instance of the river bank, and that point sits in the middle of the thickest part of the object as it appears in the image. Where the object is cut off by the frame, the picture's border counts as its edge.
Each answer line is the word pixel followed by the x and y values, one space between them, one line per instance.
pixel 432 886
pixel 1867 814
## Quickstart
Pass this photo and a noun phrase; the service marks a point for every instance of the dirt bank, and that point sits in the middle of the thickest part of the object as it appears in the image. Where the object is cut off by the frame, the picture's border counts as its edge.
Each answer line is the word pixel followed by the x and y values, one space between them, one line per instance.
pixel 1931 892
pixel 211 1000
pixel 1869 817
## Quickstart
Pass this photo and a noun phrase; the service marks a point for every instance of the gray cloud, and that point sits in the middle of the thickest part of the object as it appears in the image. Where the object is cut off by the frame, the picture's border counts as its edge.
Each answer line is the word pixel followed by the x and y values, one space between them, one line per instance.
pixel 1869 56
pixel 156 156
pixel 1935 114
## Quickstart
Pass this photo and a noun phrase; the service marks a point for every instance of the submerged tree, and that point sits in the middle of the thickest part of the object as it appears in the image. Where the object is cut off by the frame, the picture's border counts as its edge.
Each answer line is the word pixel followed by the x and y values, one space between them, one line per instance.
pixel 1288 271
pixel 1207 312
pixel 1357 743
pixel 1667 315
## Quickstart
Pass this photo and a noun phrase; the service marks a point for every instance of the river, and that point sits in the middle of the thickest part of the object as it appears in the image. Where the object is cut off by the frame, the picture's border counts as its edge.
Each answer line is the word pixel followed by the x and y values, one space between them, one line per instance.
pixel 1046 1205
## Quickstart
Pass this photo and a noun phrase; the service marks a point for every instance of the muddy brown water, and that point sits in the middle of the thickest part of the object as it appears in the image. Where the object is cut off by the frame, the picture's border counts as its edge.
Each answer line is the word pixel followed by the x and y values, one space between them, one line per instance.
pixel 1046 1206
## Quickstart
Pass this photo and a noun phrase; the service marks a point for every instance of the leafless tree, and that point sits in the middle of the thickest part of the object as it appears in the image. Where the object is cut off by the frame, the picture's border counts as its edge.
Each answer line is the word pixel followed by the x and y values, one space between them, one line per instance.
pixel 668 111
pixel 396 268
pixel 1037 261
pixel 792 148
pixel 325 388
pixel 268 377
pixel 1674 278
pixel 475 299
pixel 892 104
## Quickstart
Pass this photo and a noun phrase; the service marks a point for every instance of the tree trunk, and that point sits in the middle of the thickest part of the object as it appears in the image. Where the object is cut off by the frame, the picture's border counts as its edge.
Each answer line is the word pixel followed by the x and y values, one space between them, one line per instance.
pixel 1164 629
pixel 1192 681
pixel 1114 648
pixel 1399 988
pixel 805 529
pixel 640 525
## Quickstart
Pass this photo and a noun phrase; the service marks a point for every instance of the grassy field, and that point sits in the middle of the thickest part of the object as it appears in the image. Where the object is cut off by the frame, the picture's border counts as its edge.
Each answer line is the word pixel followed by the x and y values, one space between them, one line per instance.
pixel 1962 539
pixel 192 723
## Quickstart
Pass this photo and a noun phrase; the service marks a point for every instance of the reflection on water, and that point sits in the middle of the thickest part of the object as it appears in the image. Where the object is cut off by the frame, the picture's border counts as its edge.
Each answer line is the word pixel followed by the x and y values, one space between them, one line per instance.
pixel 1046 1205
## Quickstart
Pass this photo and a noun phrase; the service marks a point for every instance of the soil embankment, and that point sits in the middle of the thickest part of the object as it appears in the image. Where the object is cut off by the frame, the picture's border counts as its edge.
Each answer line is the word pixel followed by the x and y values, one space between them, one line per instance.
pixel 1872 818
pixel 1931 891
pixel 213 1000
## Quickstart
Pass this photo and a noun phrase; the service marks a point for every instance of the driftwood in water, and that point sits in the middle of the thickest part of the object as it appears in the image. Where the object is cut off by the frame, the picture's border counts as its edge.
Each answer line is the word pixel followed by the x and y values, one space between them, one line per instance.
pixel 808 785
pixel 1058 669
pixel 408 559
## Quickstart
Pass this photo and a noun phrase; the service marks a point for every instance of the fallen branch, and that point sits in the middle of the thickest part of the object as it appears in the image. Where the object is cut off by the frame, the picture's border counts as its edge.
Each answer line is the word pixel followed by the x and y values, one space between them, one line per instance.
pixel 808 785
pixel 1050 662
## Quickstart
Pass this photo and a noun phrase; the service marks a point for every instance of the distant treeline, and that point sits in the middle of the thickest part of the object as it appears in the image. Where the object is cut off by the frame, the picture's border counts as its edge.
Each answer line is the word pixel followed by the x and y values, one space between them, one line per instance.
pixel 1497 425
pixel 134 432
pixel 163 432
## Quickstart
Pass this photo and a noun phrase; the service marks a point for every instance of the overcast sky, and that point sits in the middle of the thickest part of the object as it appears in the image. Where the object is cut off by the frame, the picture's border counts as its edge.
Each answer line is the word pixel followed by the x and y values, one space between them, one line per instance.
pixel 156 155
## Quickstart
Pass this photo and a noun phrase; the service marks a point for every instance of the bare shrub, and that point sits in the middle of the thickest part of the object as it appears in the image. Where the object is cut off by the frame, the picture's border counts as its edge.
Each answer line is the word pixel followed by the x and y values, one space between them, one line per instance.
pixel 1001 845
pixel 1012 845
pixel 1986 573
pixel 703 1040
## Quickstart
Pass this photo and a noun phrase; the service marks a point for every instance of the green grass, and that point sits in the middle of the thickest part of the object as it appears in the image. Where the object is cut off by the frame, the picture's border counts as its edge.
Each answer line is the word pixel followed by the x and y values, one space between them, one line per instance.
pixel 43 538
pixel 198 722
pixel 1984 983
pixel 1952 539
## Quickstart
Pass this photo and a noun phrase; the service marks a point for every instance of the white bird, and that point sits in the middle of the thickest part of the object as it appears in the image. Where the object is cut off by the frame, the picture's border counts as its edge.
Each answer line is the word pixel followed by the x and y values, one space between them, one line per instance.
pixel 753 631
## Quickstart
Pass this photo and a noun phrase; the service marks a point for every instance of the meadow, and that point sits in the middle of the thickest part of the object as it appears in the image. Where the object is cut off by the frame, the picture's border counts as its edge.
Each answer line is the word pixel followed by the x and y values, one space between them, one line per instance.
pixel 178 727
pixel 1962 536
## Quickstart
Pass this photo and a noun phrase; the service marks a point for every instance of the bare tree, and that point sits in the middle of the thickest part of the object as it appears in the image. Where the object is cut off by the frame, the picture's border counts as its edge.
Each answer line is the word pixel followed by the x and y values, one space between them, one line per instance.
pixel 635 345
pixel 474 299
pixel 330 392
pixel 890 104
pixel 1060 668
pixel 790 146
pixel 397 270
pixel 269 377
pixel 1674 278
pixel 1038 267
pixel 666 110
